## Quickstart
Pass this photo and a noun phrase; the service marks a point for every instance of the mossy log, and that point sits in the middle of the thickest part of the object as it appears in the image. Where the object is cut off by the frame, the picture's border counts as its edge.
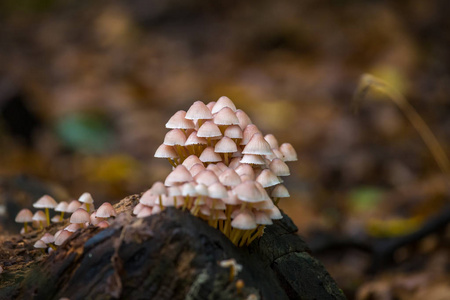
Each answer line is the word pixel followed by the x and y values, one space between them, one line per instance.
pixel 172 255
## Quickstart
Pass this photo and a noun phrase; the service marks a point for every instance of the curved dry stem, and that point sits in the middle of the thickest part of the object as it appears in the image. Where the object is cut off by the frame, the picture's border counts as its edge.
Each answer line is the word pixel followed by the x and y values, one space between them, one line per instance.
pixel 369 82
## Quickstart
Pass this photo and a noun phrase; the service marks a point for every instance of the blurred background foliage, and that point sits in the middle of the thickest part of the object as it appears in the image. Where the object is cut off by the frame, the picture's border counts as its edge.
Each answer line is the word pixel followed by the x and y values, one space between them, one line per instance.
pixel 86 88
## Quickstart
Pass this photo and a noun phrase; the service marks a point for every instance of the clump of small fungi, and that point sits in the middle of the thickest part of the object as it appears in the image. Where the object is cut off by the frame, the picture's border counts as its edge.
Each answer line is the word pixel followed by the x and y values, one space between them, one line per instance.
pixel 224 171
pixel 80 216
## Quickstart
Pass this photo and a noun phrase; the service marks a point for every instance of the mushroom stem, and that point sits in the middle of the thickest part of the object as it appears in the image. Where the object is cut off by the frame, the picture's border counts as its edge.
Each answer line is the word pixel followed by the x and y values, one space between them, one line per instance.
pixel 25 227
pixel 47 215
pixel 160 202
pixel 196 206
pixel 88 207
pixel 175 201
pixel 226 158
pixel 172 162
pixel 232 272
pixel 40 225
pixel 245 237
pixel 239 286
pixel 228 221
pixel 179 152
pixel 258 233
pixel 237 235
pixel 276 200
pixel 52 246
pixel 62 216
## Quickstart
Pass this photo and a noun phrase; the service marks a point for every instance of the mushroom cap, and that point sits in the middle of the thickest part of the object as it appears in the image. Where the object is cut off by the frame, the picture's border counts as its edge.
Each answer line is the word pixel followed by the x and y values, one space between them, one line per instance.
pixel 222 102
pixel 197 168
pixel 279 167
pixel 178 121
pixel 39 216
pixel 232 199
pixel 278 154
pixel 62 206
pixel 194 139
pixel 244 220
pixel 229 177
pixel 173 191
pixel 221 166
pixel 208 155
pixel 148 198
pixel 226 116
pixel 156 210
pixel 80 216
pixel 264 205
pixel 72 227
pixel 280 191
pixel 86 198
pixel 106 210
pixel 248 191
pixel 289 152
pixel 45 202
pixel 275 213
pixel 188 189
pixel 56 219
pixel 235 163
pixel 179 175
pixel 165 151
pixel 25 215
pixel 233 132
pixel 245 169
pixel 145 212
pixel 262 190
pixel 48 238
pixel 73 206
pixel 175 137
pixel 243 118
pixel 225 145
pixel 215 169
pixel 217 190
pixel 198 111
pixel 93 219
pixel 272 140
pixel 40 244
pixel 210 105
pixel 257 145
pixel 206 177
pixel 201 189
pixel 158 188
pixel 103 224
pixel 253 159
pixel 262 218
pixel 248 133
pixel 209 130
pixel 138 208
pixel 191 160
pixel 267 178
pixel 62 236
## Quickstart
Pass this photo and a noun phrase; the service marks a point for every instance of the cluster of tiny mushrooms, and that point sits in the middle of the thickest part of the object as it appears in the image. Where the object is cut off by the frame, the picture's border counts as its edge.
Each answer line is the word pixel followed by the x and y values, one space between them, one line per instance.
pixel 225 171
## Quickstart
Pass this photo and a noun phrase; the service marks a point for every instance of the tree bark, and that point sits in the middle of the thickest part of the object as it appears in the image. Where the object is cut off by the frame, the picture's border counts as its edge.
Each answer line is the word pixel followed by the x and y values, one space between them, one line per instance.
pixel 171 255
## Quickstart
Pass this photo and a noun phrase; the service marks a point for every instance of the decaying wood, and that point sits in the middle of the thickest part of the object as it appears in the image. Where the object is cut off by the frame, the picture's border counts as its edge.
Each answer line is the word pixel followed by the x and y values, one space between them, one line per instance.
pixel 172 255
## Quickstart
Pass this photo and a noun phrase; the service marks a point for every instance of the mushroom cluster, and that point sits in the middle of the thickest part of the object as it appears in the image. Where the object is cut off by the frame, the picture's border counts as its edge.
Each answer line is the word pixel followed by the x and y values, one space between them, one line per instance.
pixel 225 171
pixel 81 216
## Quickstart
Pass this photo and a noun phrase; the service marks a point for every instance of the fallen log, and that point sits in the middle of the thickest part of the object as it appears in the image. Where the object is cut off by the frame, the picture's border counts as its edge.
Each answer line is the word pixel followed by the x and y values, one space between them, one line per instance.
pixel 171 255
